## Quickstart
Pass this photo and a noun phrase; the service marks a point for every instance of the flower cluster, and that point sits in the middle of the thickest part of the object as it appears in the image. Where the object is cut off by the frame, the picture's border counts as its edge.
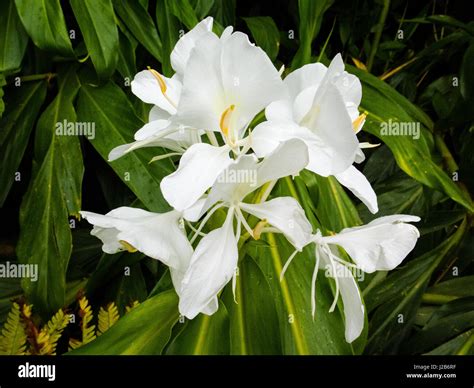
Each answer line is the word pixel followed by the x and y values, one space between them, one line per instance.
pixel 205 113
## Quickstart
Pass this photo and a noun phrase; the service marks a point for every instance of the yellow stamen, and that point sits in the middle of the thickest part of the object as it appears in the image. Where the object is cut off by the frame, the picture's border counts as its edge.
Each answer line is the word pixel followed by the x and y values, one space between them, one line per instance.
pixel 225 119
pixel 128 247
pixel 358 121
pixel 159 78
pixel 257 231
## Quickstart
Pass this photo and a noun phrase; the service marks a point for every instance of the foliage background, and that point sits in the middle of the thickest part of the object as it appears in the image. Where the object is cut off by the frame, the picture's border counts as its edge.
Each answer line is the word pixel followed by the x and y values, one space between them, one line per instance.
pixel 425 306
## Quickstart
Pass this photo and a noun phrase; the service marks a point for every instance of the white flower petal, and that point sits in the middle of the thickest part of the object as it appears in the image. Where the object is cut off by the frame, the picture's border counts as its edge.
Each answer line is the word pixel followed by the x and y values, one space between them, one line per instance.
pixel 184 46
pixel 212 266
pixel 354 311
pixel 380 245
pixel 304 77
pixel 151 129
pixel 156 113
pixel 157 235
pixel 358 184
pixel 285 214
pixel 198 169
pixel 211 307
pixel 146 87
pixel 250 79
pixel 289 158
pixel 201 102
pixel 279 110
pixel 330 122
pixel 237 74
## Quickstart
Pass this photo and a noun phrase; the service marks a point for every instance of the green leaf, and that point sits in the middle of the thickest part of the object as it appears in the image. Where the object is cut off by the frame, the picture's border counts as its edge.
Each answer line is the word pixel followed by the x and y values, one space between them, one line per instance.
pixel 202 8
pixel 204 335
pixel 13 38
pixel 299 332
pixel 54 193
pixel 183 10
pixel 311 16
pixel 224 12
pixel 467 74
pixel 145 330
pixel 169 27
pixel 126 63
pixel 266 34
pixel 116 122
pixel 447 322
pixel 23 106
pixel 140 23
pixel 44 22
pixel 399 296
pixel 13 337
pixel 254 327
pixel 97 22
pixel 456 288
pixel 334 209
pixel 10 289
pixel 384 105
pixel 456 345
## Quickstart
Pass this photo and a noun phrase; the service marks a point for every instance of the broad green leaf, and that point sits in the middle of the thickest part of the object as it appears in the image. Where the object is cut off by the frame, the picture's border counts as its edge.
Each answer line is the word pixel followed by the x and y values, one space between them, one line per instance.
pixel 183 10
pixel 266 34
pixel 45 24
pixel 204 335
pixel 397 195
pixel 399 296
pixel 141 25
pixel 53 194
pixel 23 106
pixel 97 22
pixel 299 332
pixel 448 321
pixel 254 327
pixel 13 38
pixel 224 12
pixel 462 344
pixel 310 19
pixel 333 208
pixel 202 8
pixel 116 122
pixel 145 330
pixel 413 156
pixel 168 26
pixel 454 288
pixel 126 63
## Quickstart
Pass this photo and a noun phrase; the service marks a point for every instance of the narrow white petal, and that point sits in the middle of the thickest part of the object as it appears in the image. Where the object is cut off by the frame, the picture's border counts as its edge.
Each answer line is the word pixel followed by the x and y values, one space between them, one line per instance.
pixel 358 184
pixel 353 307
pixel 151 129
pixel 212 267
